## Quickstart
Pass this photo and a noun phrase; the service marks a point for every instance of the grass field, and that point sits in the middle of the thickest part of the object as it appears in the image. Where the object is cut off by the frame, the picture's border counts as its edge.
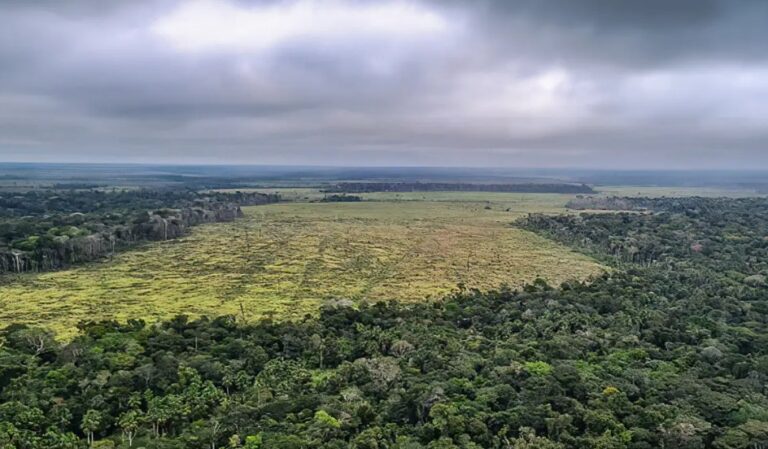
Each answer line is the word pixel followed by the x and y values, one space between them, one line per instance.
pixel 286 259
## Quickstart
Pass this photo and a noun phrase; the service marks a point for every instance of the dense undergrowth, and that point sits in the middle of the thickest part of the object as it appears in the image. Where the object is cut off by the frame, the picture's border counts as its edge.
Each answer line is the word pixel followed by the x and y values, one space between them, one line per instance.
pixel 667 351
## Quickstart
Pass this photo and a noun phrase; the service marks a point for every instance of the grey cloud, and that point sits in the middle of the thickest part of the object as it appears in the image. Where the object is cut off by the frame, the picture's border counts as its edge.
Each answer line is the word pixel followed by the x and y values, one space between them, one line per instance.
pixel 561 82
pixel 631 33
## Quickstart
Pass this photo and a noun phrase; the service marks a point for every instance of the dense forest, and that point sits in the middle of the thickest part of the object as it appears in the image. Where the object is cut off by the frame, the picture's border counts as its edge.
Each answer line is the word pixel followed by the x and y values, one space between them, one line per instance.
pixel 49 229
pixel 367 187
pixel 667 350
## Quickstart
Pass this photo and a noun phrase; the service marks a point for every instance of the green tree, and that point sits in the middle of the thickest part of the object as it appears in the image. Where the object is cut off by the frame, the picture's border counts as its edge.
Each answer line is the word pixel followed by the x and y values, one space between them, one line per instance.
pixel 90 424
pixel 253 442
pixel 129 423
pixel 529 440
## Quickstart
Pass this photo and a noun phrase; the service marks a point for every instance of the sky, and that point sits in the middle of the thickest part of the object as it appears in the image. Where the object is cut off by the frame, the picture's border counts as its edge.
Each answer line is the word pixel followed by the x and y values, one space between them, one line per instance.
pixel 677 84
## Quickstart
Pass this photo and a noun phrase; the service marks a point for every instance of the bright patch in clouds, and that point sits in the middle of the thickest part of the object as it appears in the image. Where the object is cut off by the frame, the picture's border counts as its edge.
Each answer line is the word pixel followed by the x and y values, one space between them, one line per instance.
pixel 209 25
pixel 552 94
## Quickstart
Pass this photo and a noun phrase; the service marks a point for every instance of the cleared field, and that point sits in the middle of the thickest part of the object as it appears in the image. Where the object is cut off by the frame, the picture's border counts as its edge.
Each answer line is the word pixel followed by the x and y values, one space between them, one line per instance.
pixel 519 203
pixel 284 260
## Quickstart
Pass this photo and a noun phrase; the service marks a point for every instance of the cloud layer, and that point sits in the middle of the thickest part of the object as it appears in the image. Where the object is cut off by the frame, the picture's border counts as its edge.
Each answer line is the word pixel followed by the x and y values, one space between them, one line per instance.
pixel 590 83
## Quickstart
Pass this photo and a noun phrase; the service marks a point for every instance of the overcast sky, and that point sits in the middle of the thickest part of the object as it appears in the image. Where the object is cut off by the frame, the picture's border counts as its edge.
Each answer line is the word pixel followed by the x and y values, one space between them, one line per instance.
pixel 553 83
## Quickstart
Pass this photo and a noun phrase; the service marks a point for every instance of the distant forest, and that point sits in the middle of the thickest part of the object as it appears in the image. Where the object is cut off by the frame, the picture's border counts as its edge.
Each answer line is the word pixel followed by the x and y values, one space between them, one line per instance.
pixel 366 187
pixel 49 229
pixel 667 350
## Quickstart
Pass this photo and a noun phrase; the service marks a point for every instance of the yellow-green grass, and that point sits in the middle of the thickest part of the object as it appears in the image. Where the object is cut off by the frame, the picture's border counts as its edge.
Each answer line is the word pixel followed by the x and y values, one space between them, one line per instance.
pixel 286 259
pixel 535 200
pixel 521 202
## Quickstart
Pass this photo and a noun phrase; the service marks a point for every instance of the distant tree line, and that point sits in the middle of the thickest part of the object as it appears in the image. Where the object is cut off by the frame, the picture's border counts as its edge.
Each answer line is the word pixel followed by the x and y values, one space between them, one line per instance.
pixel 51 229
pixel 367 187
pixel 343 198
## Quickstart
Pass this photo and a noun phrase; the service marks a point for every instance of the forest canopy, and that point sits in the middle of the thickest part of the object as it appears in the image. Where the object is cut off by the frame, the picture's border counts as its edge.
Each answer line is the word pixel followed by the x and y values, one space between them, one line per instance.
pixel 667 350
